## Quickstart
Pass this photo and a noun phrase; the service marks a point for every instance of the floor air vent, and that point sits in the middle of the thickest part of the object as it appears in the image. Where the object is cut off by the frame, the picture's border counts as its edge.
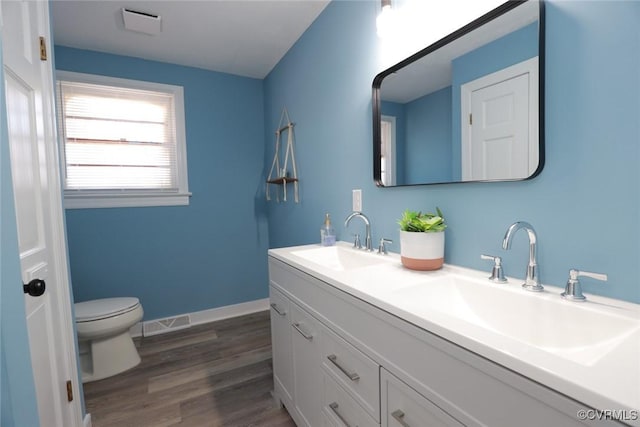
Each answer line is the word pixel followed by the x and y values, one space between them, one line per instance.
pixel 161 326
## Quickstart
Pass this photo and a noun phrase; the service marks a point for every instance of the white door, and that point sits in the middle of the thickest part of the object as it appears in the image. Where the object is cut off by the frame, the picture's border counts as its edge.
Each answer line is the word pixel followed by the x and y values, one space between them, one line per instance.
pixel 30 122
pixel 499 128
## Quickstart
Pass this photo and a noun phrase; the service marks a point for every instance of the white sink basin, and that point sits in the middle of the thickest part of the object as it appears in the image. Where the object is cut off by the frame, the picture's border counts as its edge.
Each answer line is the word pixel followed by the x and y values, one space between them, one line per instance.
pixel 340 258
pixel 571 330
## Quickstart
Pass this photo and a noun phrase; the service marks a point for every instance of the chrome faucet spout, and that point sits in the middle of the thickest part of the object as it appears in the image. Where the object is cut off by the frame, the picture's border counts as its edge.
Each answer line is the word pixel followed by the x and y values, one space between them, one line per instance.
pixel 531 281
pixel 367 224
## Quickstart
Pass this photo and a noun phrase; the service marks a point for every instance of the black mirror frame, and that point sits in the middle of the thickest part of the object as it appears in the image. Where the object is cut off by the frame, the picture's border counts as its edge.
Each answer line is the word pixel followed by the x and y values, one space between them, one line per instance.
pixel 500 10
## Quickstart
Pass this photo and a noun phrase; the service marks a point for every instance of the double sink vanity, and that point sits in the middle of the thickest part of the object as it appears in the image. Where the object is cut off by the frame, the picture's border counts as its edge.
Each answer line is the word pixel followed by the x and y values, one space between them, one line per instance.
pixel 358 340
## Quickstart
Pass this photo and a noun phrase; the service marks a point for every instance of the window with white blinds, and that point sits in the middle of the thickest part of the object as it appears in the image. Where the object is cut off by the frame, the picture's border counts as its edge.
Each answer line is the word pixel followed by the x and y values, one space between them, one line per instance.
pixel 122 142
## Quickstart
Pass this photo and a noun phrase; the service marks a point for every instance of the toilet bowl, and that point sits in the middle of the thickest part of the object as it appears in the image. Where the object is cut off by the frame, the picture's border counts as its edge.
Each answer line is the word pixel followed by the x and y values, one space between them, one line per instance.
pixel 105 345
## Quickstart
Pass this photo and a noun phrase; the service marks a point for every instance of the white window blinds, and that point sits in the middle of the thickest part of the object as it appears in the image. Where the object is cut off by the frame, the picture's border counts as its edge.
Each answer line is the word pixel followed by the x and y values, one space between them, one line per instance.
pixel 118 138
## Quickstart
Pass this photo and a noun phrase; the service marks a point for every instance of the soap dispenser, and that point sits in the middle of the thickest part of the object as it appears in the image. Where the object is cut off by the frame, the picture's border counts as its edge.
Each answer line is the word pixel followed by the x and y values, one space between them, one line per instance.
pixel 327 233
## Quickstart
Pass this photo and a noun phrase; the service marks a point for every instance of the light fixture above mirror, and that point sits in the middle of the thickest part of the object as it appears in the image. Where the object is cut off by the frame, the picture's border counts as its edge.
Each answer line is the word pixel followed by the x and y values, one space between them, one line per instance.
pixel 468 107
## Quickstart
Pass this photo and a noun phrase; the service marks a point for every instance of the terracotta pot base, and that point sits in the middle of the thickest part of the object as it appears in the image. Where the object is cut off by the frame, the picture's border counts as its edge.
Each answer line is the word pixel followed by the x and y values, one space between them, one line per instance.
pixel 422 264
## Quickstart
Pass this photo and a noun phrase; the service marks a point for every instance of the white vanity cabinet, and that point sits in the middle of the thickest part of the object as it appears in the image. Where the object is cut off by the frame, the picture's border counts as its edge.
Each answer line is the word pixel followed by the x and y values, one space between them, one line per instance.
pixel 384 364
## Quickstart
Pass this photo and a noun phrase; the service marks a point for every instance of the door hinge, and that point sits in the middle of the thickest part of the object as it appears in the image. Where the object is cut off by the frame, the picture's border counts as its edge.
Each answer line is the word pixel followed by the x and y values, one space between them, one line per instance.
pixel 43 49
pixel 69 391
pixel 471 119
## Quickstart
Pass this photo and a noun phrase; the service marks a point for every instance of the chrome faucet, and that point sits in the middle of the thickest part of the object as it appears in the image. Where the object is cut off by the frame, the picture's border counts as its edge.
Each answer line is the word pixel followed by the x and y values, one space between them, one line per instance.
pixel 367 224
pixel 531 281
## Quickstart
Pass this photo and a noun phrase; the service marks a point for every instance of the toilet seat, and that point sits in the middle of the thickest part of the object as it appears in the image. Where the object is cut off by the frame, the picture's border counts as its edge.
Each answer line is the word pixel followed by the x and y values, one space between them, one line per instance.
pixel 105 308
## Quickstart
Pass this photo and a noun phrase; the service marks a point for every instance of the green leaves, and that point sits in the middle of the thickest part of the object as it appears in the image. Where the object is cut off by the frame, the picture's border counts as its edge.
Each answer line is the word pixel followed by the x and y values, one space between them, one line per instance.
pixel 422 222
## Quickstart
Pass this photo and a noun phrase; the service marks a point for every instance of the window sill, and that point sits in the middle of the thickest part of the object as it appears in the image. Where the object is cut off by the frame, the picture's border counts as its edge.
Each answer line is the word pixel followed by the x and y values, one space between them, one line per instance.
pixel 102 200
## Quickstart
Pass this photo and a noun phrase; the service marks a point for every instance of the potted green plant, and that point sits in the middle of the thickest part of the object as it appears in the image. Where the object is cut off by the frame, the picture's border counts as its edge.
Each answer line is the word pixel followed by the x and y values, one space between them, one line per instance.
pixel 422 240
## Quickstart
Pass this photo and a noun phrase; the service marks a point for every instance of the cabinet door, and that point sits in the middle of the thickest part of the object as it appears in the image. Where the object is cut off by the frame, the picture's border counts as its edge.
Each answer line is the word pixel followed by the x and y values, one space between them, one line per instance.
pixel 402 406
pixel 306 366
pixel 281 345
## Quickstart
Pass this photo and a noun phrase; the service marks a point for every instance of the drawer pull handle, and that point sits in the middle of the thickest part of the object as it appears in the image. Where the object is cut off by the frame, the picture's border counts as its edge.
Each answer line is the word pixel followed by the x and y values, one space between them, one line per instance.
pixel 334 408
pixel 398 415
pixel 351 375
pixel 303 333
pixel 277 310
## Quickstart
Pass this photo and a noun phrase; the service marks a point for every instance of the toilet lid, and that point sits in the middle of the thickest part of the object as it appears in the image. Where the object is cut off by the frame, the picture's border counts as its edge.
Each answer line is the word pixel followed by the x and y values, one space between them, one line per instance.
pixel 102 308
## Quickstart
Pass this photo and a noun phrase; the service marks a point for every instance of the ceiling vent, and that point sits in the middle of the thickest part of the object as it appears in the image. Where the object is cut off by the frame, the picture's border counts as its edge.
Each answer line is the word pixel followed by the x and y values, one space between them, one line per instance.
pixel 141 22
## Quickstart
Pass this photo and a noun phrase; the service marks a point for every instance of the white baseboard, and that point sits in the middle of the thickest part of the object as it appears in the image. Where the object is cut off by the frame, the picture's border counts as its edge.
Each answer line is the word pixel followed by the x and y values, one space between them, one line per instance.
pixel 87 420
pixel 215 314
pixel 228 311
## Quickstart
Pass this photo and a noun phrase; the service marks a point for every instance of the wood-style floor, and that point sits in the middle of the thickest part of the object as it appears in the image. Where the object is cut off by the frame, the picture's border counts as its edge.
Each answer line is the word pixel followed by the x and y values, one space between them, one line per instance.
pixel 218 374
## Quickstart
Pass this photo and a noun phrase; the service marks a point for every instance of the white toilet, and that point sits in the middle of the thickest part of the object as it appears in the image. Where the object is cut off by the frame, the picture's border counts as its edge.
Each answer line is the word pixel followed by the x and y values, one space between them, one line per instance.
pixel 105 345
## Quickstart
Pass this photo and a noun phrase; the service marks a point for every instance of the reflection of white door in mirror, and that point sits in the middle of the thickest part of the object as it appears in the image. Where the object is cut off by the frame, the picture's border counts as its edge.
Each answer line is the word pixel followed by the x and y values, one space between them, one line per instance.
pixel 500 124
pixel 388 152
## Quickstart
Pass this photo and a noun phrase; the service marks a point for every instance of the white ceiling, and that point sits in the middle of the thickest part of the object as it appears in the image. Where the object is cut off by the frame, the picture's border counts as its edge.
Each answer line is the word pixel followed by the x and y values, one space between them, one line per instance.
pixel 243 37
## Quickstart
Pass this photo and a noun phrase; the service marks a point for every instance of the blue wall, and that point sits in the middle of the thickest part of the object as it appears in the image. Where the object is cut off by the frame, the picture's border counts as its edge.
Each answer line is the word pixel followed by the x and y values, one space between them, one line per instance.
pixel 186 258
pixel 423 138
pixel 585 203
pixel 502 53
pixel 428 152
pixel 16 379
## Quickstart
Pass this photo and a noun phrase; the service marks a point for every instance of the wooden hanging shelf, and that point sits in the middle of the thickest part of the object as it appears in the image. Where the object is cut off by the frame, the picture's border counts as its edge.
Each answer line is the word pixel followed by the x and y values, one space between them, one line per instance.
pixel 282 180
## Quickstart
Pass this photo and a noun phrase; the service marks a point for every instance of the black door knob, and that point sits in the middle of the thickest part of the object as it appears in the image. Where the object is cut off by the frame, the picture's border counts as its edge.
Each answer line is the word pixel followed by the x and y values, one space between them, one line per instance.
pixel 35 288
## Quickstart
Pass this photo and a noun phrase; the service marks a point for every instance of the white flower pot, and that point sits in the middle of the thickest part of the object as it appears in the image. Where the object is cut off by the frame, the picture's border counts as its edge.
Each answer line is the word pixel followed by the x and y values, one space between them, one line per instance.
pixel 422 251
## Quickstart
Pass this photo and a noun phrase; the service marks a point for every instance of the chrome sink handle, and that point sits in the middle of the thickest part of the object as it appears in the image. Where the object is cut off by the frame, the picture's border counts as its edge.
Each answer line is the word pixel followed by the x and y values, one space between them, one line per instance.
pixel 382 249
pixel 497 273
pixel 573 290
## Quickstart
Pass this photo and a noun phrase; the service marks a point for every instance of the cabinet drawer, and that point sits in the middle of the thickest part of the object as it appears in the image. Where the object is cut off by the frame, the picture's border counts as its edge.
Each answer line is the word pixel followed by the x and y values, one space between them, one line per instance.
pixel 353 370
pixel 402 406
pixel 340 409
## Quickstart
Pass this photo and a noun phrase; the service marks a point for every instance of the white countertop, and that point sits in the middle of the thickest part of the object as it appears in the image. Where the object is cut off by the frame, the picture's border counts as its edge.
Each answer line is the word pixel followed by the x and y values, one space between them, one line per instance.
pixel 605 376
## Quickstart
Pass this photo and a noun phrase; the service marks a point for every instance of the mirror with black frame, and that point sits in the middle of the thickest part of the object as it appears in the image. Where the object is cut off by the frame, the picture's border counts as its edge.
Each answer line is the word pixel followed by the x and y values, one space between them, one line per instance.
pixel 467 108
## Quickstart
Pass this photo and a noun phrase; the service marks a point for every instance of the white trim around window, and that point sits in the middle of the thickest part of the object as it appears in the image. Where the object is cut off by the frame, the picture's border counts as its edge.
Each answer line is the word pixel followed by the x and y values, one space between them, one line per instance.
pixel 175 194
